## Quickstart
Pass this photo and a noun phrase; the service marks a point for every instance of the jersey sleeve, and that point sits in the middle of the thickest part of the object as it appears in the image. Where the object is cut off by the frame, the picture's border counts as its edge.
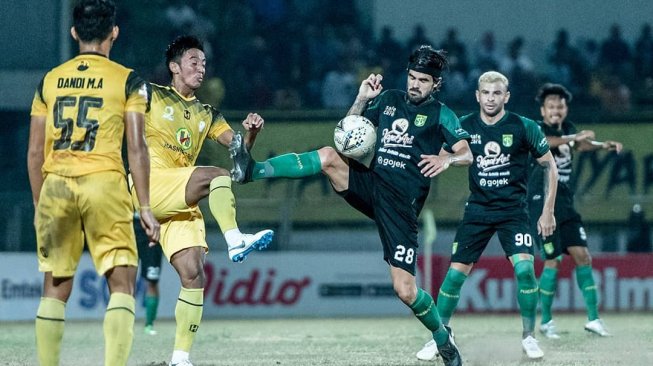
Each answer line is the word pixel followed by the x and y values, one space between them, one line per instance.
pixel 373 109
pixel 451 127
pixel 39 108
pixel 138 94
pixel 219 125
pixel 537 142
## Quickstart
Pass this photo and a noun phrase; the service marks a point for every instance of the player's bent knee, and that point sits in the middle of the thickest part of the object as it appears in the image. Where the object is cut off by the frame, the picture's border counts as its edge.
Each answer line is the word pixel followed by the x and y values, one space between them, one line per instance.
pixel 329 157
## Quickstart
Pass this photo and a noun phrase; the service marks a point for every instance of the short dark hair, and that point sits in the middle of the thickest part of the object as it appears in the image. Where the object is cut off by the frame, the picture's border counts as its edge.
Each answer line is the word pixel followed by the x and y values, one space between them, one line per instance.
pixel 94 19
pixel 181 44
pixel 428 60
pixel 553 89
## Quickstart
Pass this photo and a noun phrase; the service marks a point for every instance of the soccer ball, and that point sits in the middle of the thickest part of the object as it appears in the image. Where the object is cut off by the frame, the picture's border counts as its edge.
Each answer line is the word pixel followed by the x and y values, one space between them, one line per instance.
pixel 355 137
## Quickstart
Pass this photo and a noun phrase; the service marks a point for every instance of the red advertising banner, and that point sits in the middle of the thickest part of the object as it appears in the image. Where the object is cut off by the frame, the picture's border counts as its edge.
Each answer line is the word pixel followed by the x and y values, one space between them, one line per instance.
pixel 625 283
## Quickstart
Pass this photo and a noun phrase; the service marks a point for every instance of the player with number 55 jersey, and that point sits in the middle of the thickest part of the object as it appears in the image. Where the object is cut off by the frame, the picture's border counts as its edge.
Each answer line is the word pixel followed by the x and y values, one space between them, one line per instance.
pixel 81 111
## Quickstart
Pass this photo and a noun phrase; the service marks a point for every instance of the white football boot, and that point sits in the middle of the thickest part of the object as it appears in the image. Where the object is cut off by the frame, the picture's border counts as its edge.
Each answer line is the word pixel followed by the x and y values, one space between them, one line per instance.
pixel 248 243
pixel 428 352
pixel 597 327
pixel 548 329
pixel 530 347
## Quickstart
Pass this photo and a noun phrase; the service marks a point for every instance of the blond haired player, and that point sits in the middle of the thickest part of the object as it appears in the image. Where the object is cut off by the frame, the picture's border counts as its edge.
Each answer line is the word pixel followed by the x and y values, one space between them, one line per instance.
pixel 80 112
pixel 176 127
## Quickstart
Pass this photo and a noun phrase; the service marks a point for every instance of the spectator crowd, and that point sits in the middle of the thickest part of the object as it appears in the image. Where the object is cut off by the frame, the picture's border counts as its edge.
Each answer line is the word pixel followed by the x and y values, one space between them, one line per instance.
pixel 276 54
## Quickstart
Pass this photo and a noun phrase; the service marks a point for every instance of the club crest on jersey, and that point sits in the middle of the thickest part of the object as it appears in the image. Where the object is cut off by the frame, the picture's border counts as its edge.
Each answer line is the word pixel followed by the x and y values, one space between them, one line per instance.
pixel 83 65
pixel 507 140
pixel 184 138
pixel 548 248
pixel 420 120
pixel 186 114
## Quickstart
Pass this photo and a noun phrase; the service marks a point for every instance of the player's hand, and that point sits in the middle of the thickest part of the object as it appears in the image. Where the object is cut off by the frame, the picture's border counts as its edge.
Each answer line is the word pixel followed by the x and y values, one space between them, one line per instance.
pixel 433 165
pixel 613 146
pixel 253 123
pixel 546 224
pixel 371 87
pixel 150 225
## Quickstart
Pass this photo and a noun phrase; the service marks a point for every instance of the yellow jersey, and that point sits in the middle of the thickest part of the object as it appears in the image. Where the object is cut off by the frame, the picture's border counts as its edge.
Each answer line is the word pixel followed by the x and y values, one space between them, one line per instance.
pixel 176 127
pixel 84 101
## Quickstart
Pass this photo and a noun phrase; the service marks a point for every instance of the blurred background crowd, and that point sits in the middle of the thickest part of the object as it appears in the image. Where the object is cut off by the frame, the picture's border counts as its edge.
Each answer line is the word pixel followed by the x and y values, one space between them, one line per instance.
pixel 277 54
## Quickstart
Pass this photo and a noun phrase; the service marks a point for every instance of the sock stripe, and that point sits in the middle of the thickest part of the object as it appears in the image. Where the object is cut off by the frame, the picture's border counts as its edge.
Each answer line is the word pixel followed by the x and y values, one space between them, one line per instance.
pixel 448 295
pixel 419 315
pixel 547 293
pixel 50 319
pixel 190 303
pixel 122 308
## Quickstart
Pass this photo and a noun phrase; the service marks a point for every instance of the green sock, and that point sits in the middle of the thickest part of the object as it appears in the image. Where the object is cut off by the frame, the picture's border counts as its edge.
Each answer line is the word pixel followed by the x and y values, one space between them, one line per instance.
pixel 449 293
pixel 288 166
pixel 427 313
pixel 585 280
pixel 151 307
pixel 527 293
pixel 548 284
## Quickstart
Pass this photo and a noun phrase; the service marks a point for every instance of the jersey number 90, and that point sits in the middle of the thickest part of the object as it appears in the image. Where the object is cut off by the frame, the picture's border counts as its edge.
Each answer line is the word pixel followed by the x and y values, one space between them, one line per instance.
pixel 523 239
pixel 82 120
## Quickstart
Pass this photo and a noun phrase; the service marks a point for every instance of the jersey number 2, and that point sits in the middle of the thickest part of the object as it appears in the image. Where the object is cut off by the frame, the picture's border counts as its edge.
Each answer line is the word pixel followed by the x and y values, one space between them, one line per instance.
pixel 66 124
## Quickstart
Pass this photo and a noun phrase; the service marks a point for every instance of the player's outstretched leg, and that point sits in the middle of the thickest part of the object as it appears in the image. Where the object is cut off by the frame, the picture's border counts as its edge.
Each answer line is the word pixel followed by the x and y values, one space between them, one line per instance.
pixel 291 165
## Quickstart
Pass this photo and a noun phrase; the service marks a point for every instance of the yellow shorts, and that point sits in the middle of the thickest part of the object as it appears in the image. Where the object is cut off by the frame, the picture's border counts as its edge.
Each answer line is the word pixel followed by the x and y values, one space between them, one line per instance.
pixel 181 226
pixel 94 208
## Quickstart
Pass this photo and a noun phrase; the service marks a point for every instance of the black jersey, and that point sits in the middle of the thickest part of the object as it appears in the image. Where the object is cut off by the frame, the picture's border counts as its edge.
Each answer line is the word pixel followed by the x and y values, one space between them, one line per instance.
pixel 404 132
pixel 563 155
pixel 499 173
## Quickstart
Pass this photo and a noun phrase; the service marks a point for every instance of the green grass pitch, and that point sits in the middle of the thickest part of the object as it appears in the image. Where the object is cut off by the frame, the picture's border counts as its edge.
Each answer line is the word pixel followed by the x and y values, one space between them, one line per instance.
pixel 482 339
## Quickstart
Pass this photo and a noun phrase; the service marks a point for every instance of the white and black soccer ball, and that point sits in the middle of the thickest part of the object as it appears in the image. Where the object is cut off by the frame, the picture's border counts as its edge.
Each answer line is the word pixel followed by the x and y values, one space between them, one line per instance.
pixel 355 137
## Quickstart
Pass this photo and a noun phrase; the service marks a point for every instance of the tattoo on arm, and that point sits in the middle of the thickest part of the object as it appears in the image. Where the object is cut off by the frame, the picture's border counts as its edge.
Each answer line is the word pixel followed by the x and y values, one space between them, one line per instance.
pixel 357 108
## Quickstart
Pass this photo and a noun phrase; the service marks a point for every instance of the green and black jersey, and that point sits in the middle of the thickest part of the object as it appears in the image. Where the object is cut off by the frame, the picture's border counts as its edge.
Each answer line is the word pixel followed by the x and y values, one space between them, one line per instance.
pixel 405 131
pixel 563 155
pixel 499 173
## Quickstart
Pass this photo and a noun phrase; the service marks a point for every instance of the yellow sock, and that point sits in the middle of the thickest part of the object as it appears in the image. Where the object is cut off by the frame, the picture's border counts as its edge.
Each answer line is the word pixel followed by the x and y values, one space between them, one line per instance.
pixel 188 314
pixel 222 203
pixel 118 328
pixel 49 330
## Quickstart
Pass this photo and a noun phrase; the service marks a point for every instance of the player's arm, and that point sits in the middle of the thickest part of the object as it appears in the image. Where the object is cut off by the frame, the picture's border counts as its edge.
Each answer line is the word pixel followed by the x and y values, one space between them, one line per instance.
pixel 139 166
pixel 460 155
pixel 546 223
pixel 253 124
pixel 35 155
pixel 370 88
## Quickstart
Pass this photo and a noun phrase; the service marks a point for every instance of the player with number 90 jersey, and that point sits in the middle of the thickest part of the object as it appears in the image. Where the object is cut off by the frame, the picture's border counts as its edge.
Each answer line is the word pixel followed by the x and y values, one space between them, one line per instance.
pixel 75 97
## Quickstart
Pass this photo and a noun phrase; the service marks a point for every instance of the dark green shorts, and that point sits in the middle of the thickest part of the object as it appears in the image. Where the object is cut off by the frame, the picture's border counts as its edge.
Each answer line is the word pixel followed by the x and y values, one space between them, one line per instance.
pixel 476 230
